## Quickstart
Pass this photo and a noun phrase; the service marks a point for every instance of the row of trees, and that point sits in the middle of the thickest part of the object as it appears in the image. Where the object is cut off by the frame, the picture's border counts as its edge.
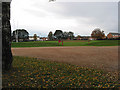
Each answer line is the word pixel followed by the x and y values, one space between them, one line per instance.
pixel 59 34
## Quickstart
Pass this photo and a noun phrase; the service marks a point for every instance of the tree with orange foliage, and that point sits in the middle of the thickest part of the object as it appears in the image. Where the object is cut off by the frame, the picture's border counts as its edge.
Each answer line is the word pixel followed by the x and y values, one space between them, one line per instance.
pixel 97 34
pixel 35 37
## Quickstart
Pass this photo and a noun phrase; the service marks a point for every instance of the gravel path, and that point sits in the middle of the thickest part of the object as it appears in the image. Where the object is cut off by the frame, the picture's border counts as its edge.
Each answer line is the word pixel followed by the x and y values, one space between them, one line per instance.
pixel 105 57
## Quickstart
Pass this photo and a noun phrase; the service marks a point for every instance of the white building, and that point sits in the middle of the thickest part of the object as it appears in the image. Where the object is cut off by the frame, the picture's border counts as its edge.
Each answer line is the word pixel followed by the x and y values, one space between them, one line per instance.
pixel 31 38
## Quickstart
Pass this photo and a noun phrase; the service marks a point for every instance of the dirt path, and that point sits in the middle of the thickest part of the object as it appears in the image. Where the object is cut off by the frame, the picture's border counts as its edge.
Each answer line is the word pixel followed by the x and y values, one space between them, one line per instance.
pixel 105 58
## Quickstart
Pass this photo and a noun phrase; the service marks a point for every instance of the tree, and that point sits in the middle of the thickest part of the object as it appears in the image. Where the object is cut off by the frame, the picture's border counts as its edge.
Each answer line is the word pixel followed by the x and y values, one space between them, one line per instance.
pixel 50 35
pixel 98 34
pixel 35 37
pixel 59 34
pixel 6 37
pixel 78 36
pixel 71 35
pixel 20 34
pixel 65 35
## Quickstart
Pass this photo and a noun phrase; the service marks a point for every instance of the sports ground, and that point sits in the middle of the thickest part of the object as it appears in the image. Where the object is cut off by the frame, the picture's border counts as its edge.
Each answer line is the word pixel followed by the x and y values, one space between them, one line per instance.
pixel 102 57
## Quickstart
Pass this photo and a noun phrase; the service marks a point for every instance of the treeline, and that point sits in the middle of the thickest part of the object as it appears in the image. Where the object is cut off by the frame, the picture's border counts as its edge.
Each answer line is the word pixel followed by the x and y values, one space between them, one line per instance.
pixel 59 34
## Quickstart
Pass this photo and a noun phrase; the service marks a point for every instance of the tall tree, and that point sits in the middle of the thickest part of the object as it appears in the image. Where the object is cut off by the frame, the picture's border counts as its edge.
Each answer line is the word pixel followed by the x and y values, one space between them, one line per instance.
pixel 58 34
pixel 35 37
pixel 71 35
pixel 6 37
pixel 21 34
pixel 65 35
pixel 50 35
pixel 97 33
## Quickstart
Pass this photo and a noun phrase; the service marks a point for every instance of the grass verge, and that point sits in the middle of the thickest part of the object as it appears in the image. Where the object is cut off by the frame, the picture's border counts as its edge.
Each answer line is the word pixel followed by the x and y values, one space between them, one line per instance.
pixel 31 72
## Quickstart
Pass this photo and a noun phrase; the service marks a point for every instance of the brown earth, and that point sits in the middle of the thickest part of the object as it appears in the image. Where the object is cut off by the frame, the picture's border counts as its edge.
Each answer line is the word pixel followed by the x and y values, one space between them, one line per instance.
pixel 105 58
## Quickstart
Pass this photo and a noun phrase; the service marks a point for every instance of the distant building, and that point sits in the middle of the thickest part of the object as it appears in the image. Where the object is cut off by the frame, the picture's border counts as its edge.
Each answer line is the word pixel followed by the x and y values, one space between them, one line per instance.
pixel 44 38
pixel 31 38
pixel 92 38
pixel 20 35
pixel 85 37
pixel 113 35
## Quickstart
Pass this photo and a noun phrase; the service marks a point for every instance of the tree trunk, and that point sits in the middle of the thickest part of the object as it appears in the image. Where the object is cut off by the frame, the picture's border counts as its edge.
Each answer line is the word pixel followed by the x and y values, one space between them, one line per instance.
pixel 6 37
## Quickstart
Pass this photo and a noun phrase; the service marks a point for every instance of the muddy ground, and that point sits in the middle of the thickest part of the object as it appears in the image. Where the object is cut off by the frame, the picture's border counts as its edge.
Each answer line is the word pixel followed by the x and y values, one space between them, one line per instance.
pixel 105 57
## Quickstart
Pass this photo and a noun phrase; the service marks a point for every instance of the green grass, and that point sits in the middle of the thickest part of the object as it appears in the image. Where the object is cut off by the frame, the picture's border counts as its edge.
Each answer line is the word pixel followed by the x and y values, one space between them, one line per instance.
pixel 66 43
pixel 35 44
pixel 31 72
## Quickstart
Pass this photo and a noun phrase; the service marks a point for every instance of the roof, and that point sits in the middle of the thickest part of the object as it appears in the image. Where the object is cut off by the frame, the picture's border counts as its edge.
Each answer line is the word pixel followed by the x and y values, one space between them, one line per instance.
pixel 115 33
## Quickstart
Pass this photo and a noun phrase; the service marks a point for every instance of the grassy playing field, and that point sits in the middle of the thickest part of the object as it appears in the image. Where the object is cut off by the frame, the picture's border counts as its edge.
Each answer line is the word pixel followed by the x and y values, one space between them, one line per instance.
pixel 66 43
pixel 32 72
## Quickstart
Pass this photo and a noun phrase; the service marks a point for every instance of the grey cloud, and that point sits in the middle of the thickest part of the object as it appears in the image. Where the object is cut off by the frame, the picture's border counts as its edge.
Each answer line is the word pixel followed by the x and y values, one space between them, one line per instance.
pixel 88 9
pixel 34 12
pixel 101 14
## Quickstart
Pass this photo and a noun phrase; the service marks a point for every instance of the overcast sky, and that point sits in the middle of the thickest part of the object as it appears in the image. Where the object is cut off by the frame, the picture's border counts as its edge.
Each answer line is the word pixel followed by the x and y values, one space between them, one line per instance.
pixel 41 16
